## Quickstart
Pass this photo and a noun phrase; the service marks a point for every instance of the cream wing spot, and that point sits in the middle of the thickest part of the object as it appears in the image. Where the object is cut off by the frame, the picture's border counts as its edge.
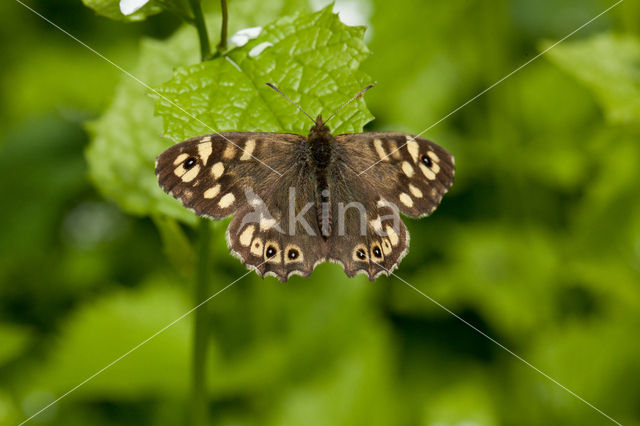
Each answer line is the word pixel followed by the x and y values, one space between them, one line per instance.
pixel 393 149
pixel 386 247
pixel 406 199
pixel 246 235
pixel 212 192
pixel 180 158
pixel 267 223
pixel 376 224
pixel 293 254
pixel 257 202
pixel 376 251
pixel 272 252
pixel 427 172
pixel 433 156
pixel 204 151
pixel 360 253
pixel 206 139
pixel 413 148
pixel 393 236
pixel 229 152
pixel 217 170
pixel 377 143
pixel 249 147
pixel 256 247
pixel 407 169
pixel 191 174
pixel 226 200
pixel 415 191
pixel 179 171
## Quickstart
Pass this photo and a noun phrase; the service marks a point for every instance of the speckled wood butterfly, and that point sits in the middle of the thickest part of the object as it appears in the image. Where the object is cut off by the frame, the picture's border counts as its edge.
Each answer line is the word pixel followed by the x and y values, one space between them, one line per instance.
pixel 299 201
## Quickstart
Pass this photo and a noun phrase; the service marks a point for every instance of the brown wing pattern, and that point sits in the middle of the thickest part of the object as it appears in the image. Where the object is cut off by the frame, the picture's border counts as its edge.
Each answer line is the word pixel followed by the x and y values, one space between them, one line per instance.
pixel 269 183
pixel 251 175
pixel 208 174
pixel 414 174
pixel 279 235
pixel 368 235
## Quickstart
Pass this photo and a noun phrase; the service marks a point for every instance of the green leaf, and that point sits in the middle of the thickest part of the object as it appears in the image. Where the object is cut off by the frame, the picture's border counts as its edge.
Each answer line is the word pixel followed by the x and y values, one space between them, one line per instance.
pixel 364 365
pixel 14 340
pixel 468 401
pixel 609 65
pixel 111 9
pixel 102 331
pixel 127 138
pixel 313 58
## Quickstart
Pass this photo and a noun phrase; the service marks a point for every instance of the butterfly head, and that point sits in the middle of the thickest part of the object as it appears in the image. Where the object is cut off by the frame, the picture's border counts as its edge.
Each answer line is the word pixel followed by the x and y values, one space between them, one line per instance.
pixel 319 130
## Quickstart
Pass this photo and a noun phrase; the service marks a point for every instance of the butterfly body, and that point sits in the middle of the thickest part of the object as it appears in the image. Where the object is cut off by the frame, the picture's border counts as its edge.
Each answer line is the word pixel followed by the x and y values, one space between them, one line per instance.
pixel 299 201
pixel 321 144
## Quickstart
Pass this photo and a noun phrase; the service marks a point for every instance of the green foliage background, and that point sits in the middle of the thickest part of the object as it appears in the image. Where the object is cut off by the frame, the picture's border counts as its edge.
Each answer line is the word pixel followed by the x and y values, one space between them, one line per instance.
pixel 537 244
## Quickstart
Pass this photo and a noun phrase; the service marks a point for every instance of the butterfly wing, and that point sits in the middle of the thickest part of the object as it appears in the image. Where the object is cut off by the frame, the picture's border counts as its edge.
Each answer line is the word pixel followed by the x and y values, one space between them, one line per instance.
pixel 385 173
pixel 368 235
pixel 279 235
pixel 276 231
pixel 208 173
pixel 251 175
pixel 413 173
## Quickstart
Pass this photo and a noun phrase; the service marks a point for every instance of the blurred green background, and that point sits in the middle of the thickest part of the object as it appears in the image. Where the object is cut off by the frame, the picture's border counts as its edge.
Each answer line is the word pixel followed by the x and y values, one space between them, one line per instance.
pixel 537 244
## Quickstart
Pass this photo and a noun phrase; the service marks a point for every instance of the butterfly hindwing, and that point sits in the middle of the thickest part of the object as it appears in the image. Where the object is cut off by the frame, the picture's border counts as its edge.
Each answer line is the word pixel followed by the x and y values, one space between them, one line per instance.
pixel 208 173
pixel 413 173
pixel 279 235
pixel 368 235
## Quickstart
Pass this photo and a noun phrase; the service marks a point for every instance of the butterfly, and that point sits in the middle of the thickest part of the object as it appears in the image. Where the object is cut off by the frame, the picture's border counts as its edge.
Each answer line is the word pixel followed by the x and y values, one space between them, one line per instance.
pixel 299 201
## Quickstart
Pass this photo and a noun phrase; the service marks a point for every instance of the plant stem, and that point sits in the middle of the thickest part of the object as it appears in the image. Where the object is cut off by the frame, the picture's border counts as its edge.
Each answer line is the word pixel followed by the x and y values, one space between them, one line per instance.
pixel 199 412
pixel 201 27
pixel 199 402
pixel 222 46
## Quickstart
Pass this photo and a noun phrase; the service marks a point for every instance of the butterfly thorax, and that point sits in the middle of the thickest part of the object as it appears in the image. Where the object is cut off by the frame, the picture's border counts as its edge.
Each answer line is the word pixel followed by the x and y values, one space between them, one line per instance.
pixel 321 146
pixel 320 141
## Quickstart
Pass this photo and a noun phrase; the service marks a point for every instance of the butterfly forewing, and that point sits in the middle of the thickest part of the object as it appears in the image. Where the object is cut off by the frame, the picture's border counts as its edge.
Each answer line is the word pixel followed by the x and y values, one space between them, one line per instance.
pixel 209 174
pixel 412 173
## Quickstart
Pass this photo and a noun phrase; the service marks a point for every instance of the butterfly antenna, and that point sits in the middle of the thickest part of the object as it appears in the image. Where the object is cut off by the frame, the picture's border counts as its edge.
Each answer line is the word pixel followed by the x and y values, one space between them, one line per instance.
pixel 359 95
pixel 287 98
